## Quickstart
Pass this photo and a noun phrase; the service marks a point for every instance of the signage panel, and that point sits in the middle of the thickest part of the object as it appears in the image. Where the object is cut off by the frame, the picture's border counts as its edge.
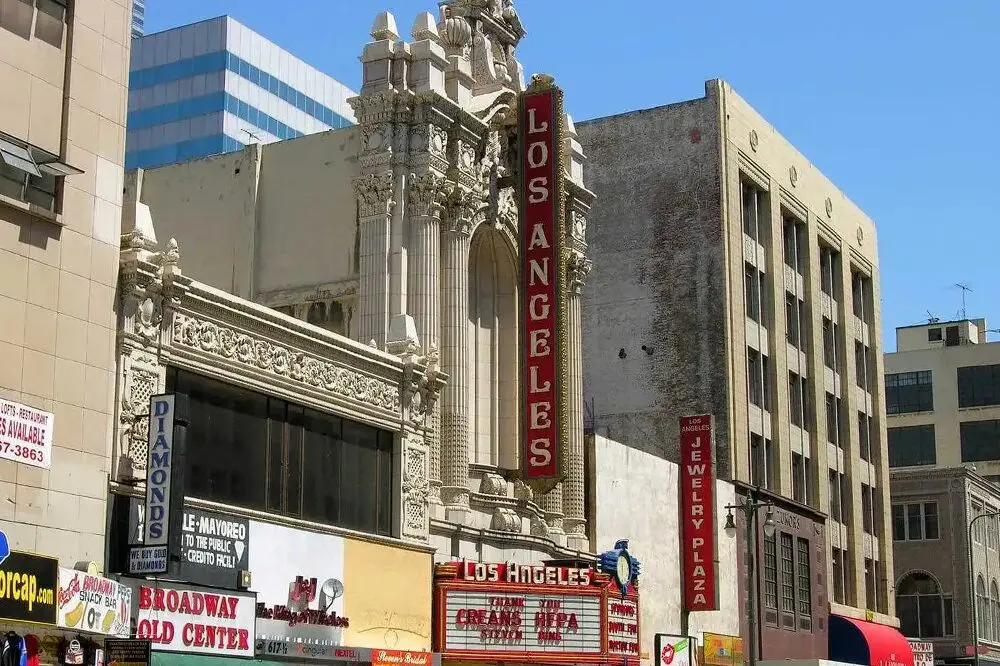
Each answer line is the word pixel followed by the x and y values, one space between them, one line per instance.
pixel 672 650
pixel 26 434
pixel 127 652
pixel 543 285
pixel 182 618
pixel 28 588
pixel 214 548
pixel 159 465
pixel 697 489
pixel 93 603
pixel 147 560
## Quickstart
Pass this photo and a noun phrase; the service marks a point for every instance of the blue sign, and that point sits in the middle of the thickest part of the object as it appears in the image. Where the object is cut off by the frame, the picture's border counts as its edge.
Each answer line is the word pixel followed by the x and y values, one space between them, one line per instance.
pixel 620 564
pixel 4 547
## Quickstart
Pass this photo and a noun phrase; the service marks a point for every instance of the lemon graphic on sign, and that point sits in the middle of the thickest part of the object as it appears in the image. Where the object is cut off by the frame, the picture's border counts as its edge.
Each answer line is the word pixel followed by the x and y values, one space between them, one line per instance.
pixel 109 620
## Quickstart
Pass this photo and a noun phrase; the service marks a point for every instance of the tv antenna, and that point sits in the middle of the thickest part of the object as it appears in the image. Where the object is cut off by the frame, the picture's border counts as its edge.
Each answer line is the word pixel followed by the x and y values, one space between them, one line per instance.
pixel 253 137
pixel 931 319
pixel 966 289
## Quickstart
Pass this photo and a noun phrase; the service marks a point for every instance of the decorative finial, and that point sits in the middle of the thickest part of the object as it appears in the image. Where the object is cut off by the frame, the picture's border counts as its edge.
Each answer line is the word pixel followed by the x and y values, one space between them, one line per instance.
pixel 384 27
pixel 424 27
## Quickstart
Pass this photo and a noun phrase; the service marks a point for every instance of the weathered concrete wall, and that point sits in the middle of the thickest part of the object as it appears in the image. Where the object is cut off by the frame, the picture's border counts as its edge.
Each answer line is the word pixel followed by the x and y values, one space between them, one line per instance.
pixel 629 479
pixel 654 309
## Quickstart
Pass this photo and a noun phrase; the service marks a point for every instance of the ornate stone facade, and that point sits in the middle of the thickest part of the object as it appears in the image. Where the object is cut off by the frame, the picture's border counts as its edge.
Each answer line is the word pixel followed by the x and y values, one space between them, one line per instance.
pixel 438 117
pixel 167 319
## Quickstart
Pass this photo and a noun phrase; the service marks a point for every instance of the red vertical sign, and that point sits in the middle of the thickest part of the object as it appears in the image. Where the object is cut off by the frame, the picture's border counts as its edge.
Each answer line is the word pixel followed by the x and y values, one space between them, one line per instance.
pixel 698 526
pixel 542 279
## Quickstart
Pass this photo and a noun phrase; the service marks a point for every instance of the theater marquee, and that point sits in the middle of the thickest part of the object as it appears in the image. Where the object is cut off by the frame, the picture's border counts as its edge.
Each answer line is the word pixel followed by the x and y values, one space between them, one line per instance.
pixel 543 285
pixel 537 614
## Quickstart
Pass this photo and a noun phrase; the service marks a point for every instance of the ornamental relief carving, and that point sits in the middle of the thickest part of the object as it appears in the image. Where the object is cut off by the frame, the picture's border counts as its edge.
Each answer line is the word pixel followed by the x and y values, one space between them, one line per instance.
pixel 416 490
pixel 140 381
pixel 426 194
pixel 375 193
pixel 231 345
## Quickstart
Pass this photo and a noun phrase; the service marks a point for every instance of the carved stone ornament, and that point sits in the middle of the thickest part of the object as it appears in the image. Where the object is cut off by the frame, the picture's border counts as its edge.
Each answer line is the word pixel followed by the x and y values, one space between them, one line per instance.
pixel 461 206
pixel 523 492
pixel 579 226
pixel 423 381
pixel 578 268
pixel 493 484
pixel 426 194
pixel 505 520
pixel 539 527
pixel 416 489
pixel 231 345
pixel 141 380
pixel 375 193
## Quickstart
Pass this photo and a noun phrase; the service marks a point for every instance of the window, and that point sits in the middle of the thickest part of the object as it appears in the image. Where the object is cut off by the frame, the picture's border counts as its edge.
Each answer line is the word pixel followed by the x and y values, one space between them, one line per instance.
pixel 30 174
pixel 980 440
pixel 839 575
pixel 871 575
pixel 51 22
pixel 755 217
pixel 864 435
pixel 770 573
pixel 801 490
pixel 951 338
pixel 805 579
pixel 830 344
pixel 862 371
pixel 762 462
pixel 796 243
pixel 837 496
pixel 995 608
pixel 915 522
pixel 912 445
pixel 867 501
pixel 979 531
pixel 758 378
pixel 861 296
pixel 792 332
pixel 787 574
pixel 979 386
pixel 933 335
pixel 983 606
pixel 265 454
pixel 833 419
pixel 909 392
pixel 923 611
pixel 798 402
pixel 755 285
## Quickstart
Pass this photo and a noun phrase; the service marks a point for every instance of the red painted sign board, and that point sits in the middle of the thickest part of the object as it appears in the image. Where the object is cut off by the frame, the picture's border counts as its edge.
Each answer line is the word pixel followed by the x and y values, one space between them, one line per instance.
pixel 698 528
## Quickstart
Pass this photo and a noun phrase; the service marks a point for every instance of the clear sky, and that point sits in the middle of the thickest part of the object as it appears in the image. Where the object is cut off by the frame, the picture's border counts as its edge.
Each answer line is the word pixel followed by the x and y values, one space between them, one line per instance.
pixel 896 102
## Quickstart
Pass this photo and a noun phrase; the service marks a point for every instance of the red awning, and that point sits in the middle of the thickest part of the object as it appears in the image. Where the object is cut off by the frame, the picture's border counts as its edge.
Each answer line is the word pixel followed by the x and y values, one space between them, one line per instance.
pixel 867 643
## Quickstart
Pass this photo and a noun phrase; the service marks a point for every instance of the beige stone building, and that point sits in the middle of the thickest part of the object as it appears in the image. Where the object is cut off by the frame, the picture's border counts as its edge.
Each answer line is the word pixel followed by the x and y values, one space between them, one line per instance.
pixel 732 277
pixel 63 68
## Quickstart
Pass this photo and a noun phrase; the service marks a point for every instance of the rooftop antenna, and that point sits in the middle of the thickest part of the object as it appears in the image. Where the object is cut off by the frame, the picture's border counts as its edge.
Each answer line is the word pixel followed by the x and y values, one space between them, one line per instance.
pixel 253 137
pixel 966 289
pixel 931 319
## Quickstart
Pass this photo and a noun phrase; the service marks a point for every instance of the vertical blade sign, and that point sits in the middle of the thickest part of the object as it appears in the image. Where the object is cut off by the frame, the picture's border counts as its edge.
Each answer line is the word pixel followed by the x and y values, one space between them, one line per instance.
pixel 542 295
pixel 698 514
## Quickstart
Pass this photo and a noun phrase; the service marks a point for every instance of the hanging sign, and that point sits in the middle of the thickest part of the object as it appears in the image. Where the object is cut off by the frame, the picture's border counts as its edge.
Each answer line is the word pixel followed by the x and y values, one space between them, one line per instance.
pixel 93 603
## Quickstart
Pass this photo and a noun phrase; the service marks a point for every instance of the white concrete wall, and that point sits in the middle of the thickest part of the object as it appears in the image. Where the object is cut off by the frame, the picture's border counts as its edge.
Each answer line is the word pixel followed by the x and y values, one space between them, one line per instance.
pixel 636 496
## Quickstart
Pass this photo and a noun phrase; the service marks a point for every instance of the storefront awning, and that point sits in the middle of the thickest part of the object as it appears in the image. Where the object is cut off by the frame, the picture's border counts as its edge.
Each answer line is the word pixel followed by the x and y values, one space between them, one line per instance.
pixel 867 643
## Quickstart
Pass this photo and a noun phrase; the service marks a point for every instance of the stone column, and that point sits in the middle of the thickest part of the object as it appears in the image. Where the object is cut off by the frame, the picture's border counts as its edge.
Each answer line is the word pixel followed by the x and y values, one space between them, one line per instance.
pixel 551 504
pixel 376 201
pixel 455 243
pixel 424 290
pixel 575 523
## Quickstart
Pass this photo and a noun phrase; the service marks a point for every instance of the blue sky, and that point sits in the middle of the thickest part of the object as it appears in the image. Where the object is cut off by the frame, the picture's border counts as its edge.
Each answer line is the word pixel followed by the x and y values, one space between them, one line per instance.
pixel 896 102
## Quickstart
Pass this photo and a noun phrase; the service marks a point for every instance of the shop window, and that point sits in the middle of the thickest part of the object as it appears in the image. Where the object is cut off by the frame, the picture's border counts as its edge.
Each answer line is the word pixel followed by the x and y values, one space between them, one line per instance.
pixel 262 453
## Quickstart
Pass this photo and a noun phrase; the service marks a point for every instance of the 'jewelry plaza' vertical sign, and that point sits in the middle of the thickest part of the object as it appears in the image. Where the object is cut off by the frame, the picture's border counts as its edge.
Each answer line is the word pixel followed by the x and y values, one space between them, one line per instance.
pixel 164 491
pixel 698 526
pixel 543 280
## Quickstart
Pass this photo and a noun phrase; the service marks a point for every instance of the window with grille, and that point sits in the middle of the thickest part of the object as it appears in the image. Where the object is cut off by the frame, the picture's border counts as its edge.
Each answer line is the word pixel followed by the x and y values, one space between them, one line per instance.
pixel 787 574
pixel 909 392
pixel 770 573
pixel 804 575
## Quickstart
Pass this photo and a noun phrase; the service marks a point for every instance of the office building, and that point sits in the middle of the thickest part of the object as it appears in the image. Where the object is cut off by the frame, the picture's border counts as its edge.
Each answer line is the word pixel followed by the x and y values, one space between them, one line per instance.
pixel 62 138
pixel 214 86
pixel 943 416
pixel 732 278
pixel 138 18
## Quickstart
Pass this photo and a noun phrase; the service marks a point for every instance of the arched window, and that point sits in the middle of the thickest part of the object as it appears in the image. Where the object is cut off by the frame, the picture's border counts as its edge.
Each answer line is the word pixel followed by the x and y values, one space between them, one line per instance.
pixel 493 361
pixel 983 607
pixel 924 612
pixel 995 609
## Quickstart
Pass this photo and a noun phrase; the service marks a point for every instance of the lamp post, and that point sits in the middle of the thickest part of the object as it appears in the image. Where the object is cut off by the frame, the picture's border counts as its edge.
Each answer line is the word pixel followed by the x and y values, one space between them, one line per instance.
pixel 972 588
pixel 750 507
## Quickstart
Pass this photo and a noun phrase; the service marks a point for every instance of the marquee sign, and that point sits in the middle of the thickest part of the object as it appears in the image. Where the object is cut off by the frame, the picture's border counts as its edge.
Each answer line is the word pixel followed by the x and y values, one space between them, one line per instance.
pixel 543 285
pixel 538 614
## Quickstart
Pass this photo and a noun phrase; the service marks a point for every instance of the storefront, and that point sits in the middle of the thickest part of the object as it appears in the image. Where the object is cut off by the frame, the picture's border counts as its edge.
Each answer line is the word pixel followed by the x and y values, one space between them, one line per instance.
pixel 558 613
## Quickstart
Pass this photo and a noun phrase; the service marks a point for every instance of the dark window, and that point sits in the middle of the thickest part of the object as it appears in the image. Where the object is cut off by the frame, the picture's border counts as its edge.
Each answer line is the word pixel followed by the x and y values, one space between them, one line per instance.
pixel 787 574
pixel 770 573
pixel 796 244
pixel 265 454
pixel 758 379
pixel 951 336
pixel 829 263
pixel 754 211
pixel 797 399
pixel 979 386
pixel 922 610
pixel 839 575
pixel 752 291
pixel 871 575
pixel 792 319
pixel 866 508
pixel 798 478
pixel 916 521
pixel 908 392
pixel 836 496
pixel 833 419
pixel 830 344
pixel 861 296
pixel 912 445
pixel 804 575
pixel 862 370
pixel 762 461
pixel 863 436
pixel 933 335
pixel 980 441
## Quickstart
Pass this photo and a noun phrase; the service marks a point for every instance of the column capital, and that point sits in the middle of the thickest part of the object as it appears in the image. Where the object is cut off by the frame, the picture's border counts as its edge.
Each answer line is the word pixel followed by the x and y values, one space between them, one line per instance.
pixel 426 193
pixel 578 268
pixel 461 206
pixel 375 193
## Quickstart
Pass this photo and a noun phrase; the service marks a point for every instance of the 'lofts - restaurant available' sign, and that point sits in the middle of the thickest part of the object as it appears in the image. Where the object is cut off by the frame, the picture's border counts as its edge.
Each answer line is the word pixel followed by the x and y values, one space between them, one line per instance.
pixel 541 614
pixel 181 618
pixel 543 284
pixel 698 514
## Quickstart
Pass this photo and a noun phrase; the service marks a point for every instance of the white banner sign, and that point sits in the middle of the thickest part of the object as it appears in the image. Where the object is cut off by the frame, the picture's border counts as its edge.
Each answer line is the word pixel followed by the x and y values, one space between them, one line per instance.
pixel 180 618
pixel 94 604
pixel 672 650
pixel 516 622
pixel 25 434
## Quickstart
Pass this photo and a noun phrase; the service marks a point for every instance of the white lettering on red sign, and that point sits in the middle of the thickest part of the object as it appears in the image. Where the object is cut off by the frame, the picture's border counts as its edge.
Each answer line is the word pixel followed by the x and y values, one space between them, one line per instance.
pixel 188 620
pixel 511 572
pixel 697 513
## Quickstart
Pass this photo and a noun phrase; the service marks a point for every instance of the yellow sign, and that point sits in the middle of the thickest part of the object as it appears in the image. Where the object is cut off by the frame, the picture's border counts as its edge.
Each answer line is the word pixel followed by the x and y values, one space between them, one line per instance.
pixel 722 650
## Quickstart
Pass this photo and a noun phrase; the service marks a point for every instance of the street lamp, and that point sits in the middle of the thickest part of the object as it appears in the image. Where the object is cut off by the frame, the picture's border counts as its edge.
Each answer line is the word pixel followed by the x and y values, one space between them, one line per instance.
pixel 972 588
pixel 750 507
